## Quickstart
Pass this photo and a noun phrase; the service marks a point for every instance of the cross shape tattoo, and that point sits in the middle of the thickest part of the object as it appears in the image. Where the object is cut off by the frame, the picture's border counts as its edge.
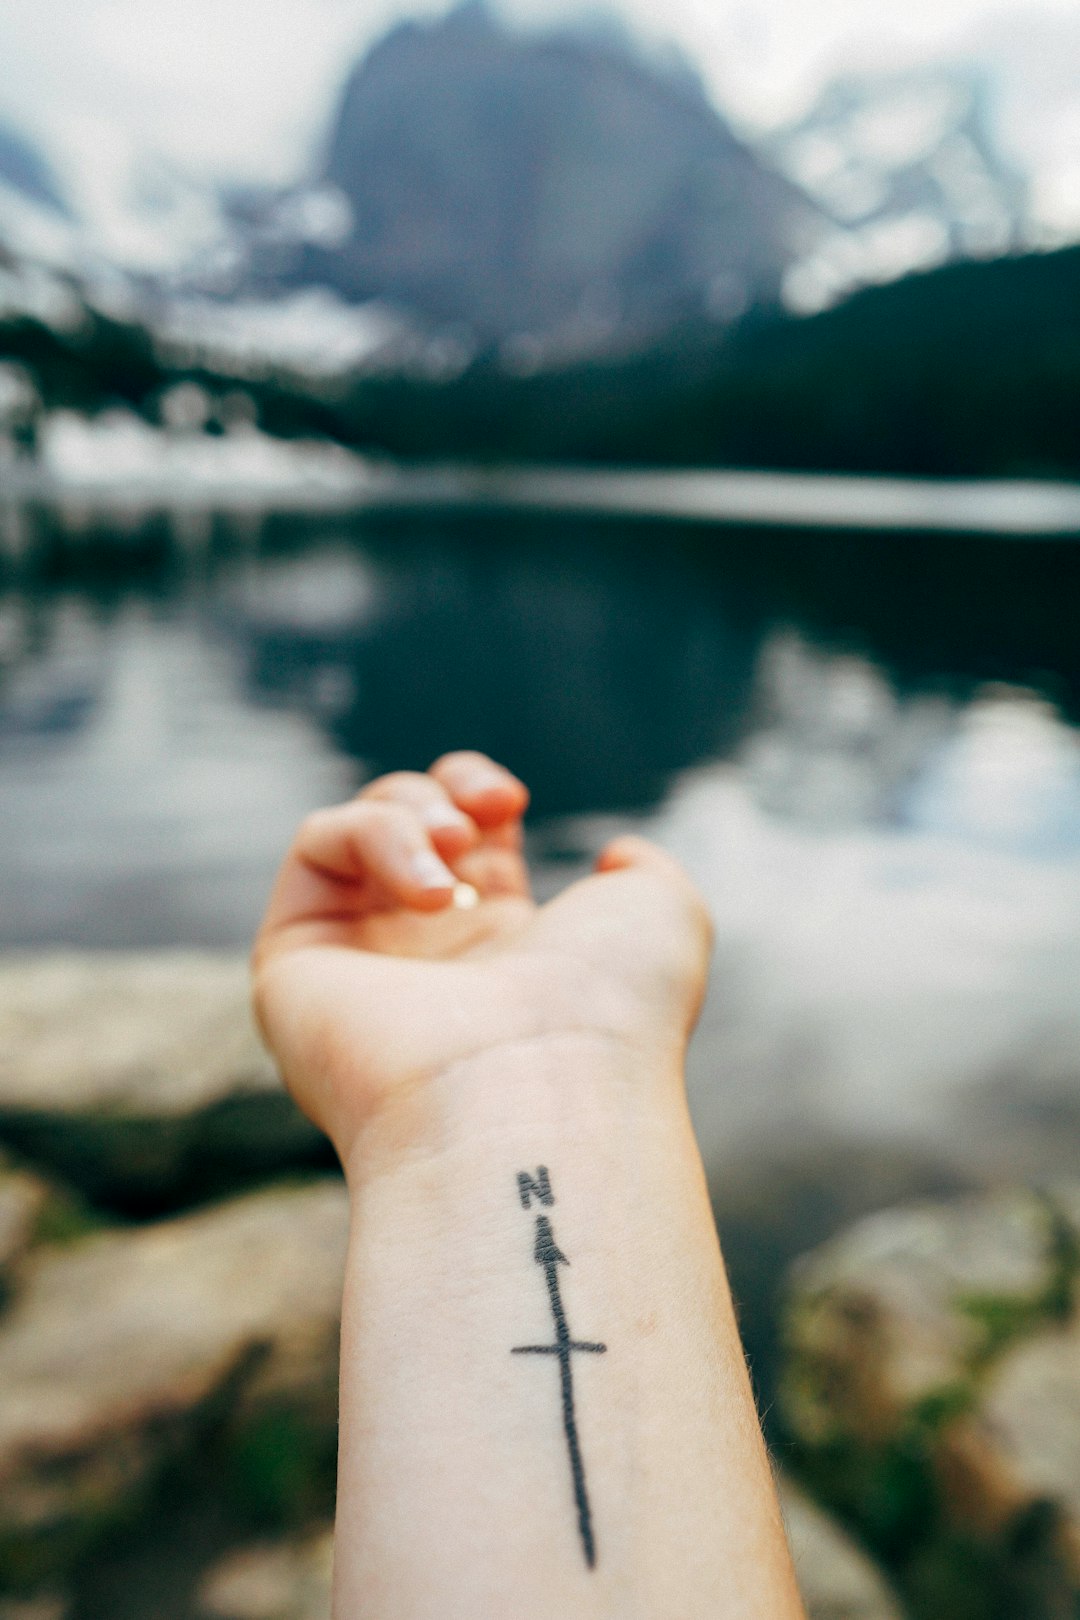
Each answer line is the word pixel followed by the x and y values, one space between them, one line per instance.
pixel 549 1256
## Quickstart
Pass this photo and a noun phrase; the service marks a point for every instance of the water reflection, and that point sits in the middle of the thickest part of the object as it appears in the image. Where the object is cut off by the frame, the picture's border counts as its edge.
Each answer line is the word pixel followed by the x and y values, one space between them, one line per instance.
pixel 863 750
pixel 591 671
pixel 834 742
pixel 143 801
pixel 871 979
pixel 167 713
pixel 1008 777
pixel 891 845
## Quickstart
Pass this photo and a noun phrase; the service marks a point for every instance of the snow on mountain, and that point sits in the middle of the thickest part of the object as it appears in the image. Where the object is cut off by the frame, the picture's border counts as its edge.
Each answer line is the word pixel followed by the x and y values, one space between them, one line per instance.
pixel 119 454
pixel 907 168
pixel 313 333
pixel 544 195
pixel 36 221
pixel 52 267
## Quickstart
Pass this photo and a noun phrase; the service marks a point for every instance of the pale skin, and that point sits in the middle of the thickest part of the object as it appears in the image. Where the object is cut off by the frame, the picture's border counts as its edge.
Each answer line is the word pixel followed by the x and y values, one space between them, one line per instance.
pixel 445 1050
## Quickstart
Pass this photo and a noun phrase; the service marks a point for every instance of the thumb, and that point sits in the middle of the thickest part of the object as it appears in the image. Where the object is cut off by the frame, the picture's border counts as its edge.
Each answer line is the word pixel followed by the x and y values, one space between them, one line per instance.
pixel 663 893
pixel 639 917
pixel 631 853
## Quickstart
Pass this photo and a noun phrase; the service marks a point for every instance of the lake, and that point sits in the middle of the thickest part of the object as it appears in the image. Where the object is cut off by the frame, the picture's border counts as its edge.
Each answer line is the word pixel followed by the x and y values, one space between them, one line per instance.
pixel 864 746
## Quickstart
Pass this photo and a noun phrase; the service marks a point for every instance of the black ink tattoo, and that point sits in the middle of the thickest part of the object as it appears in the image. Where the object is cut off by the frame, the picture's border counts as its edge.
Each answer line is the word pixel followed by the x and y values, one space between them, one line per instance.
pixel 538 1188
pixel 547 1254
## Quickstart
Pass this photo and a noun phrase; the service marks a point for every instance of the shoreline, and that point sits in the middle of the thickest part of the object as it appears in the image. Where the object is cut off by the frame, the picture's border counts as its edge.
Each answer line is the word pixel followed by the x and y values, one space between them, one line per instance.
pixel 297 477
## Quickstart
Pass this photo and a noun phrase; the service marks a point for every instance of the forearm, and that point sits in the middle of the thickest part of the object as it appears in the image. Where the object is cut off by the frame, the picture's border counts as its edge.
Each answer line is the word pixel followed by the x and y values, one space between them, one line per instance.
pixel 483 1475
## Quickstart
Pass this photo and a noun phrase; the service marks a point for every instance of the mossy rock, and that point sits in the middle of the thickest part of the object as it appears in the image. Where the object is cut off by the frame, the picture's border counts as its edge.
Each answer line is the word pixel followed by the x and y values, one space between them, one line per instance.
pixel 932 1388
pixel 140 1079
pixel 124 1350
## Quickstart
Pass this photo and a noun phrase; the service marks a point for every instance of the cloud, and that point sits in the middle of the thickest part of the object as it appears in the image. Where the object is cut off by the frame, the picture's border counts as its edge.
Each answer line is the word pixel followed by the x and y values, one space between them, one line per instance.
pixel 238 87
pixel 242 88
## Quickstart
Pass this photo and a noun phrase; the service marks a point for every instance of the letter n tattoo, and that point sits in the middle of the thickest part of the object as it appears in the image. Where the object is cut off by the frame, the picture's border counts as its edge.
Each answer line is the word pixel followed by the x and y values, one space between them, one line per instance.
pixel 538 1187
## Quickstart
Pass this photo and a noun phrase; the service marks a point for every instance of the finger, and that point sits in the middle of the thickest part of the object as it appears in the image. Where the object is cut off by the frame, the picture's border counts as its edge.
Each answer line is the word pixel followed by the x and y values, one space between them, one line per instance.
pixel 496 800
pixel 451 830
pixel 641 924
pixel 493 871
pixel 380 845
pixel 487 792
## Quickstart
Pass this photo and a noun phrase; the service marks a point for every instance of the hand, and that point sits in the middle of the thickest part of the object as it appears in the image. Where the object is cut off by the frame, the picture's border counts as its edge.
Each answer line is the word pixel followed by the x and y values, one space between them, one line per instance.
pixel 370 980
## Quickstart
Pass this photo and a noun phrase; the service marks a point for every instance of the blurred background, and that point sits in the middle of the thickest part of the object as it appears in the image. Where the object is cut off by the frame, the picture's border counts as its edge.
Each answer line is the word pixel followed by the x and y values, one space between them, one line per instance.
pixel 682 408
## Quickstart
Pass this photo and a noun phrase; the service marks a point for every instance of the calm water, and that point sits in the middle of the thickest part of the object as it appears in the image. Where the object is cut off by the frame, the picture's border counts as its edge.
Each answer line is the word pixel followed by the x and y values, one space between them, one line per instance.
pixel 864 747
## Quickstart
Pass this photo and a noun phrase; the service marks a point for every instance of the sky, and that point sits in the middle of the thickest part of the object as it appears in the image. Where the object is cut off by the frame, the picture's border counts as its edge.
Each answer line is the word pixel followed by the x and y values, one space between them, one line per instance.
pixel 242 89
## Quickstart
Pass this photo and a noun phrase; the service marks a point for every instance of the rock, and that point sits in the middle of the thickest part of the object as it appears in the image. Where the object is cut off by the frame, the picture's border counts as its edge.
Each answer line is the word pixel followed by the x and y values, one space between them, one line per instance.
pixel 642 204
pixel 933 1388
pixel 875 1313
pixel 23 1199
pixel 141 1078
pixel 287 1580
pixel 120 1351
pixel 837 1579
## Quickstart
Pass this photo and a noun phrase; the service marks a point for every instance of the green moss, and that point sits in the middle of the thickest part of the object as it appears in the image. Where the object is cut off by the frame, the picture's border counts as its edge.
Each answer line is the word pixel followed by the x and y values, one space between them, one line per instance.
pixel 144 1165
pixel 65 1218
pixel 888 1492
pixel 30 1559
pixel 1007 1319
pixel 284 1468
pixel 939 1407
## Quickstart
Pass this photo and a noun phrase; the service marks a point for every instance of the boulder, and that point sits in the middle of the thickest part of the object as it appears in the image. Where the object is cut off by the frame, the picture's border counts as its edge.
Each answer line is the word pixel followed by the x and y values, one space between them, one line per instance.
pixel 123 1350
pixel 932 1387
pixel 140 1079
pixel 23 1200
pixel 836 1578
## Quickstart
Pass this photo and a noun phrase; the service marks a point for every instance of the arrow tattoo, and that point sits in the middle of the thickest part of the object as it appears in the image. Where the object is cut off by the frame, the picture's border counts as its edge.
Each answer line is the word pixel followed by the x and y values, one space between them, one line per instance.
pixel 549 1256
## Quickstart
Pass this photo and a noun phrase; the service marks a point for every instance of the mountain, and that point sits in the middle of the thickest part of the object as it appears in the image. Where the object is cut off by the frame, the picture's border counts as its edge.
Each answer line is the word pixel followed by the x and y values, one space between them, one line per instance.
pixel 968 370
pixel 557 190
pixel 40 238
pixel 907 167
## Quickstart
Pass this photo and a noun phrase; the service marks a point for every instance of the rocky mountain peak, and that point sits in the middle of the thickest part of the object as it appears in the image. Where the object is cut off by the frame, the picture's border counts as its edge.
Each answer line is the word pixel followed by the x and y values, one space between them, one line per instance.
pixel 557 185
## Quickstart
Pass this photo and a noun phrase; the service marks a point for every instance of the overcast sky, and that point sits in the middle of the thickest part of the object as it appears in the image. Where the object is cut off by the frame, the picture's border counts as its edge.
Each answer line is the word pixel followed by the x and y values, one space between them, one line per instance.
pixel 242 88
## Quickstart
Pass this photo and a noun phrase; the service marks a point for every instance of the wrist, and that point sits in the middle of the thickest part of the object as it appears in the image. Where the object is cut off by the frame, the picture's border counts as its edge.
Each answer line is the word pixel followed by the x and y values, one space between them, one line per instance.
pixel 574 1090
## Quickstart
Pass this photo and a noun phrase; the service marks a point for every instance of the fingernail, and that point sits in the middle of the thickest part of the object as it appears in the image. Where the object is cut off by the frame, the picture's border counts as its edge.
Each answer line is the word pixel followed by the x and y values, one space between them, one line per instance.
pixel 483 780
pixel 440 816
pixel 429 872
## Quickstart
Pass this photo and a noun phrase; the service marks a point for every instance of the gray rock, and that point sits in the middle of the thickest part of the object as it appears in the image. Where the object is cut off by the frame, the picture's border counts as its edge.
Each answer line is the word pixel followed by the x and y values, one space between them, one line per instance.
pixel 1022 1446
pixel 933 1386
pixel 117 1348
pixel 553 184
pixel 141 1078
pixel 877 1311
pixel 836 1578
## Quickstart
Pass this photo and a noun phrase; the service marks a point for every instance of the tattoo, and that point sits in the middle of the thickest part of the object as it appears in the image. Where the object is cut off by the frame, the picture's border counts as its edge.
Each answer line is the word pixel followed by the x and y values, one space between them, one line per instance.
pixel 549 1256
pixel 538 1187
